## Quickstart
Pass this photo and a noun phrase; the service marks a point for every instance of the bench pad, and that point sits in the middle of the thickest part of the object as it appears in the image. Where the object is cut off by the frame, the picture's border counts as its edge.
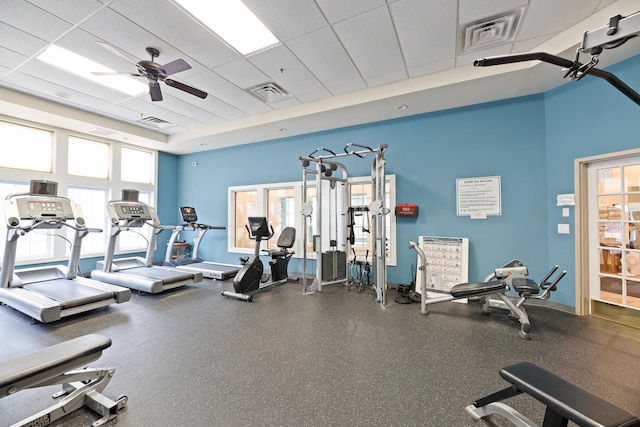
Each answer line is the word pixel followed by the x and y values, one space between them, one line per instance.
pixel 566 399
pixel 464 290
pixel 55 359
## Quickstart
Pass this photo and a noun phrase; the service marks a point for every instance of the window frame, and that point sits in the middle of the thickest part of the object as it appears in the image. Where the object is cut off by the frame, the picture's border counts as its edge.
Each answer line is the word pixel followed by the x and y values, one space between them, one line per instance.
pixel 59 174
pixel 262 210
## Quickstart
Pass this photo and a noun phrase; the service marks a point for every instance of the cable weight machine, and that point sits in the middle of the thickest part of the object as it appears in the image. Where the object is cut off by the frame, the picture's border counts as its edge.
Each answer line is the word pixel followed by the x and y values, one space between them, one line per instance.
pixel 321 171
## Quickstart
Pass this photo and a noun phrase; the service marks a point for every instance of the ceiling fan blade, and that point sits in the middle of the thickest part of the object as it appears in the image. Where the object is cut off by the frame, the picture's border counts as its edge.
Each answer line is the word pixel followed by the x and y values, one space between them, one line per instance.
pixel 186 88
pixel 116 51
pixel 115 73
pixel 175 67
pixel 154 91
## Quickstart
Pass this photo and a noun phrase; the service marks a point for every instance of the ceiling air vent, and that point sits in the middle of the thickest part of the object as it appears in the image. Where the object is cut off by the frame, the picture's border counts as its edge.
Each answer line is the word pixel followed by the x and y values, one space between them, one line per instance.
pixel 488 32
pixel 101 132
pixel 156 122
pixel 268 92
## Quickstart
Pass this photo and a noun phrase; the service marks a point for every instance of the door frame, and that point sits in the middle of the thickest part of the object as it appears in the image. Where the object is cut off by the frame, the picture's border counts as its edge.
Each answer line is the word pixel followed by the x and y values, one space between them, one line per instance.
pixel 580 179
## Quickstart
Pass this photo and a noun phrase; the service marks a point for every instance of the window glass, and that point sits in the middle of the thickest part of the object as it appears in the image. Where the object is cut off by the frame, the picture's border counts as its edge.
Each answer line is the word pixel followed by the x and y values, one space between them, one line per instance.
pixel 93 202
pixel 281 210
pixel 136 238
pixel 35 144
pixel 136 166
pixel 361 198
pixel 80 150
pixel 36 244
pixel 246 205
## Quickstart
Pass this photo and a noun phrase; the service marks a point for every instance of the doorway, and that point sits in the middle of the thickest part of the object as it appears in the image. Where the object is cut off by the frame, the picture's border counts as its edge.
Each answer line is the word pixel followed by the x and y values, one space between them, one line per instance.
pixel 613 206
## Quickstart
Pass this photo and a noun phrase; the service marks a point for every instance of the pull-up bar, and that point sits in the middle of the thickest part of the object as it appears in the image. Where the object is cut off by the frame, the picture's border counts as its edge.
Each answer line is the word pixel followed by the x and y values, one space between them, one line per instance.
pixel 618 32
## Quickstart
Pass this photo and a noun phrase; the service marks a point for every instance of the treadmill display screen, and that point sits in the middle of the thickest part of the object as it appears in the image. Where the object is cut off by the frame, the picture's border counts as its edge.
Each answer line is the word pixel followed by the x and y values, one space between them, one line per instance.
pixel 133 209
pixel 45 207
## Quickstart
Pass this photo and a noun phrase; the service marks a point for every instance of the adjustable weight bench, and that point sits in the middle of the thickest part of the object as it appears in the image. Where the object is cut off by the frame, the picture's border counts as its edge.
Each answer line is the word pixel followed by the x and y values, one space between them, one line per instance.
pixel 564 401
pixel 63 364
pixel 511 276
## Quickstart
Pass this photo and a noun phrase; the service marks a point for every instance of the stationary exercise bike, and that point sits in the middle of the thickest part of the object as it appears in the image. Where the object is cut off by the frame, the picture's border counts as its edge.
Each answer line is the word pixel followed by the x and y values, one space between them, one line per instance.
pixel 248 281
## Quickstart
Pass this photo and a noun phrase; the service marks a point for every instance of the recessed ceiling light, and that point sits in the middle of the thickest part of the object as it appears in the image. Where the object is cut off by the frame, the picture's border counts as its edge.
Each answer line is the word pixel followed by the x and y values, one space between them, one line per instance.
pixel 282 129
pixel 232 21
pixel 401 107
pixel 204 144
pixel 85 67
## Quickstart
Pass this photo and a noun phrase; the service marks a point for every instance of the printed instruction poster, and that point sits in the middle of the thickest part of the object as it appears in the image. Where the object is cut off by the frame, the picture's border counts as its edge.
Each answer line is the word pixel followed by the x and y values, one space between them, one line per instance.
pixel 478 197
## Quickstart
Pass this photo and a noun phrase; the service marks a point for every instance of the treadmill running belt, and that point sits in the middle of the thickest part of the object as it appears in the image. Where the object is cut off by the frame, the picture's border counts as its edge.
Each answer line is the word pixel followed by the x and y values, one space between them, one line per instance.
pixel 70 293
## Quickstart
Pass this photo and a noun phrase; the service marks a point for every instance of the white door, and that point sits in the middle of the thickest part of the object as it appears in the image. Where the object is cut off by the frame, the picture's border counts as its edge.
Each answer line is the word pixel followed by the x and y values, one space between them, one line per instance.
pixel 614 237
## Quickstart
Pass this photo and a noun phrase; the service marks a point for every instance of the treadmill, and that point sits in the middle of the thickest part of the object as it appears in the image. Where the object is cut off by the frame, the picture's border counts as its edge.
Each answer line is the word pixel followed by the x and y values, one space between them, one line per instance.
pixel 137 272
pixel 51 292
pixel 210 270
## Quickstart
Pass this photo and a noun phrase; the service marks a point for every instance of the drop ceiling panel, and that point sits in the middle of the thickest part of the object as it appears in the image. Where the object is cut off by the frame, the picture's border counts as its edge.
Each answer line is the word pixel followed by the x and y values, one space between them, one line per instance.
pixel 242 73
pixel 339 10
pixel 19 41
pixel 240 102
pixel 288 19
pixel 181 31
pixel 33 20
pixel 538 20
pixel 133 39
pixel 329 47
pixel 371 42
pixel 284 68
pixel 54 75
pixel 59 93
pixel 325 57
pixel 432 67
pixel 72 11
pixel 157 110
pixel 426 30
pixel 10 58
pixel 473 10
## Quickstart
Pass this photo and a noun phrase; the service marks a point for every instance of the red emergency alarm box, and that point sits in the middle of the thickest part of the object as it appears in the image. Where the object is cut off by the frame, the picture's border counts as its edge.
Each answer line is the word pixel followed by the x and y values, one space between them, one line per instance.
pixel 406 209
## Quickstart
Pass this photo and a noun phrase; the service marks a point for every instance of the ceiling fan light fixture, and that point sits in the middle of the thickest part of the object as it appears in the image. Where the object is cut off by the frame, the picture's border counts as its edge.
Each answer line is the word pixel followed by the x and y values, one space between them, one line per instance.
pixel 233 22
pixel 84 67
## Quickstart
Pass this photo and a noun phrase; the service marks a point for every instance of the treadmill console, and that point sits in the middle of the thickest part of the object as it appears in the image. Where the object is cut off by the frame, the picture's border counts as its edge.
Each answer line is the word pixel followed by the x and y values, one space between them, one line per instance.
pixel 188 214
pixel 131 211
pixel 52 210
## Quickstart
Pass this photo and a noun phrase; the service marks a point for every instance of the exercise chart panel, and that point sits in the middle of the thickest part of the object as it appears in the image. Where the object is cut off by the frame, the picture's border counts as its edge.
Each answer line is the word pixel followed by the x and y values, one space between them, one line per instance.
pixel 447 262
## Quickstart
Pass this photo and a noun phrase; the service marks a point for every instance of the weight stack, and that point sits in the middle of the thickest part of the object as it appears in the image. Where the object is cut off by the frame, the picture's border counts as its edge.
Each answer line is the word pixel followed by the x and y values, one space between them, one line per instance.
pixel 334 266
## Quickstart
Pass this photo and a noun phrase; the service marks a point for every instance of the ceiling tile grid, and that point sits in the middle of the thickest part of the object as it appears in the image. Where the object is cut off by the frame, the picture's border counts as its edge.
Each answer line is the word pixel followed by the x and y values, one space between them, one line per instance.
pixel 346 54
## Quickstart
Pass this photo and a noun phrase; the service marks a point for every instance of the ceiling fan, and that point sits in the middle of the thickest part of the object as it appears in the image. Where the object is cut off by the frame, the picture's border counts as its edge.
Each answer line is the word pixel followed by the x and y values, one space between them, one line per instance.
pixel 156 73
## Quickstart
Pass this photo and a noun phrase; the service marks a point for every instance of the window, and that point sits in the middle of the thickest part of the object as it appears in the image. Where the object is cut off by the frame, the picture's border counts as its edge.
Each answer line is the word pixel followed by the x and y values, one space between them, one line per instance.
pixel 137 239
pixel 37 244
pixel 281 210
pixel 38 143
pixel 282 204
pixel 93 202
pixel 137 166
pixel 245 205
pixel 80 150
pixel 360 193
pixel 55 156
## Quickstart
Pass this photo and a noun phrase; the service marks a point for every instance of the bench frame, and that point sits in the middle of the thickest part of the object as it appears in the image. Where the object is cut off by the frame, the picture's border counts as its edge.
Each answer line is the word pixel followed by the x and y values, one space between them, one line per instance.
pixel 564 401
pixel 80 386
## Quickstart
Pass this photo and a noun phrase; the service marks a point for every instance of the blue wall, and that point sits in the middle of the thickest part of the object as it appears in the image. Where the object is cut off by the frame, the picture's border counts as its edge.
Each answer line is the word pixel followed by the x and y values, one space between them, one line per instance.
pixel 426 153
pixel 583 119
pixel 529 142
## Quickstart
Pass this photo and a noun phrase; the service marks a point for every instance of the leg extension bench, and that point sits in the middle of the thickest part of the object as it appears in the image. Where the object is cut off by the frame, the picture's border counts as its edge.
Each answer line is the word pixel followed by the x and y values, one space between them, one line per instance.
pixel 564 401
pixel 63 364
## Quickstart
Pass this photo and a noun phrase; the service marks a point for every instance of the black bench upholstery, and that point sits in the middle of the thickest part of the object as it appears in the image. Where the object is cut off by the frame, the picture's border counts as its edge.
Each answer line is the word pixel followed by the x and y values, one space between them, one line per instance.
pixel 26 371
pixel 465 290
pixel 566 401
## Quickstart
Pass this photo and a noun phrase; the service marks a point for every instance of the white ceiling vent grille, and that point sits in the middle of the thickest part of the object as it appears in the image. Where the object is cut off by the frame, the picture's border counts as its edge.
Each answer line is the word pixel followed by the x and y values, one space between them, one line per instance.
pixel 101 132
pixel 268 92
pixel 491 31
pixel 156 122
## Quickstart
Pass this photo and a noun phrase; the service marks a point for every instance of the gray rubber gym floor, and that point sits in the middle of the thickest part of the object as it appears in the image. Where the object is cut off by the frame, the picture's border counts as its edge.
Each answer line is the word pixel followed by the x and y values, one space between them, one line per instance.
pixel 190 357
